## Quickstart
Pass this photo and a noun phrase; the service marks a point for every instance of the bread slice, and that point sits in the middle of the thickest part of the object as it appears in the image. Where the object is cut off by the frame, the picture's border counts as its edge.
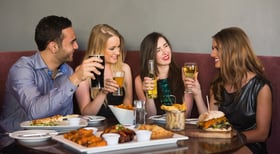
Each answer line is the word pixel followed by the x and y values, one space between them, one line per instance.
pixel 47 121
pixel 157 131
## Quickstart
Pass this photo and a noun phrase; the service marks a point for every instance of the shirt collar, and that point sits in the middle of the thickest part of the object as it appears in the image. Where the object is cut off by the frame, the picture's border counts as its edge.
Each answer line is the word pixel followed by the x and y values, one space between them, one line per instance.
pixel 40 64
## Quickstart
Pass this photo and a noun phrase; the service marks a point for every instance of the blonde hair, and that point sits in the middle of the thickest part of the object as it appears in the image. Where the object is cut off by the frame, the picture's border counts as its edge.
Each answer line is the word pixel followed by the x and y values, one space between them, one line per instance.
pixel 97 44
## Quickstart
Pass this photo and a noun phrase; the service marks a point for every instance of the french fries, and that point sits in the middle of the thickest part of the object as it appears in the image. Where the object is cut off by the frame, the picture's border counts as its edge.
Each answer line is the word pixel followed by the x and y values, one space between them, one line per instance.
pixel 175 116
pixel 174 107
pixel 175 120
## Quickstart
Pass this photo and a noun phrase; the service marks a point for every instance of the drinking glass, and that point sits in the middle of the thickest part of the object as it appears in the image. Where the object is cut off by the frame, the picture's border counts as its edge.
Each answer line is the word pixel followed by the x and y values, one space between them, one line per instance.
pixel 189 69
pixel 118 76
pixel 175 120
pixel 140 113
pixel 98 83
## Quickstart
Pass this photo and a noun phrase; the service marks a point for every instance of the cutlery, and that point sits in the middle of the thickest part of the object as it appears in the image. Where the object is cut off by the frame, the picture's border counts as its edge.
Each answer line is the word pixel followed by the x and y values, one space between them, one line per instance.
pixel 38 134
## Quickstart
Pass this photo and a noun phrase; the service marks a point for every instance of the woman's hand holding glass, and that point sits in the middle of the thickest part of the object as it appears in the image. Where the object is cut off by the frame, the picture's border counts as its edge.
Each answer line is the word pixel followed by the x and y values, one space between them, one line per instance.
pixel 118 76
pixel 110 85
pixel 192 84
pixel 189 69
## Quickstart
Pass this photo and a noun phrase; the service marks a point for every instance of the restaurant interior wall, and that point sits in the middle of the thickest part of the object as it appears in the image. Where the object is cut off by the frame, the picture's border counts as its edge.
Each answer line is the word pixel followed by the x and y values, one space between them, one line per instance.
pixel 189 24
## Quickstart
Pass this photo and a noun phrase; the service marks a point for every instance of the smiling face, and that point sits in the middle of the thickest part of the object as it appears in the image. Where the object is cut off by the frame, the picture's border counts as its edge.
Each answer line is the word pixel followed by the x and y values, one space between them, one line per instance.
pixel 216 54
pixel 163 52
pixel 68 46
pixel 112 50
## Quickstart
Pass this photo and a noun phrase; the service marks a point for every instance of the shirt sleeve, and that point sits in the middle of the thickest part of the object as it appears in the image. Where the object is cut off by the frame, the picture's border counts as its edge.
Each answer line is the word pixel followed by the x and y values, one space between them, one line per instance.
pixel 38 94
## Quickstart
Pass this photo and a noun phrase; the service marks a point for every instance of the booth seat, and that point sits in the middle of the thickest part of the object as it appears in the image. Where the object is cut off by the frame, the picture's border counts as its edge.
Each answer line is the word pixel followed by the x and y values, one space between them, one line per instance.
pixel 206 73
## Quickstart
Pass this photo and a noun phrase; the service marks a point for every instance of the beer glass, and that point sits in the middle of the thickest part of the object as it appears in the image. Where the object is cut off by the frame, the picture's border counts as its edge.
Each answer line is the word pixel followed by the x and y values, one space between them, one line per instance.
pixel 119 77
pixel 98 83
pixel 189 69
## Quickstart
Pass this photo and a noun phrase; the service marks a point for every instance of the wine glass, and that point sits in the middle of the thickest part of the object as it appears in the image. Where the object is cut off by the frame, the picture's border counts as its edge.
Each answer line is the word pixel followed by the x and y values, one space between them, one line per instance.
pixel 189 69
pixel 119 77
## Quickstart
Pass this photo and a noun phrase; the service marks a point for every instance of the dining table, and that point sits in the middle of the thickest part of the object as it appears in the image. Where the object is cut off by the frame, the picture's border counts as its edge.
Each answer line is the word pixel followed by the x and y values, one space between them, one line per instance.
pixel 191 145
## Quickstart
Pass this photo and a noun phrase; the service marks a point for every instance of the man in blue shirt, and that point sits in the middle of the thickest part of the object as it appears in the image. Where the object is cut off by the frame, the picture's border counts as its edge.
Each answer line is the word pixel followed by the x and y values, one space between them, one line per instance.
pixel 43 85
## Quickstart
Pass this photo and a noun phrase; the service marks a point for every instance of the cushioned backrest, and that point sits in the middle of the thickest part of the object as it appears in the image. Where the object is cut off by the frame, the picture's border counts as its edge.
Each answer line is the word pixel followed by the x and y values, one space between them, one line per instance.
pixel 7 59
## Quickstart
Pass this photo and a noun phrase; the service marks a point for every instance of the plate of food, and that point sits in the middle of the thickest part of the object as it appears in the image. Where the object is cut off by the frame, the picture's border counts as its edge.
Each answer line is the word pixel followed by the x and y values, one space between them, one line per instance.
pixel 32 135
pixel 56 122
pixel 213 124
pixel 126 142
pixel 92 119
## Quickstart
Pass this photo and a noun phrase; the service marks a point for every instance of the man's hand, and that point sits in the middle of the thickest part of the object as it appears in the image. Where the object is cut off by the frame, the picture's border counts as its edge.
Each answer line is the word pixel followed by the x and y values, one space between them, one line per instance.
pixel 86 70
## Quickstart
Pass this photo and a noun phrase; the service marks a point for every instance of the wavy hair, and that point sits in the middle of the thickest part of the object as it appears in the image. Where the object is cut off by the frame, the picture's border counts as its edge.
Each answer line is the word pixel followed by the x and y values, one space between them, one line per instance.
pixel 97 45
pixel 237 58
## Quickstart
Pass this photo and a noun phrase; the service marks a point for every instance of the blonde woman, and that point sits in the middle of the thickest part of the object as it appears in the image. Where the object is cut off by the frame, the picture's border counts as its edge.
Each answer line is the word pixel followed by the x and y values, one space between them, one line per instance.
pixel 107 41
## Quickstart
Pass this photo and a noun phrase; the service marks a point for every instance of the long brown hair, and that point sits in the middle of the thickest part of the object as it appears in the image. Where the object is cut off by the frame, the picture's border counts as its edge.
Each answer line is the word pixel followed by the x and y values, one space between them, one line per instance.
pixel 237 59
pixel 148 50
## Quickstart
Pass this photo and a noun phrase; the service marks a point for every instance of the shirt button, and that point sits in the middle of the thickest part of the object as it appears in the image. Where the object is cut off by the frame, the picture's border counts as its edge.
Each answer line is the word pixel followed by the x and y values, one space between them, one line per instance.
pixel 72 90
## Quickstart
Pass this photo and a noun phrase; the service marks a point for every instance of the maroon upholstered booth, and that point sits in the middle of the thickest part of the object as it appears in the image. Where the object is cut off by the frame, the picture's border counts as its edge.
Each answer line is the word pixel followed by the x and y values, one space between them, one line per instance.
pixel 206 74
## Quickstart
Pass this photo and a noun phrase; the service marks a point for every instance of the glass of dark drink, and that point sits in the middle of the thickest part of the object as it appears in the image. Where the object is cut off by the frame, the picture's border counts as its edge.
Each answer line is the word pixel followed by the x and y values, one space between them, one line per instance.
pixel 98 83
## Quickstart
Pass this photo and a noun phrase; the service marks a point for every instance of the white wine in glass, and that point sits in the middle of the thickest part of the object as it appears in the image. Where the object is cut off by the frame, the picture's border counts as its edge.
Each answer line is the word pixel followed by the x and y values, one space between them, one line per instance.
pixel 189 69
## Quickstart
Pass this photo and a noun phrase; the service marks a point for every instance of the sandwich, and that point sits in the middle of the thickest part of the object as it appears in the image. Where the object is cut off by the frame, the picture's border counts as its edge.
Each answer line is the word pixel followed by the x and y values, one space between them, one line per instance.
pixel 214 121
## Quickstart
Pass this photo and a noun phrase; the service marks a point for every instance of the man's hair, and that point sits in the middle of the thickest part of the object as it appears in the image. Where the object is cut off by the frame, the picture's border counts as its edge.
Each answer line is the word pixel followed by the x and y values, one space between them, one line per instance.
pixel 50 29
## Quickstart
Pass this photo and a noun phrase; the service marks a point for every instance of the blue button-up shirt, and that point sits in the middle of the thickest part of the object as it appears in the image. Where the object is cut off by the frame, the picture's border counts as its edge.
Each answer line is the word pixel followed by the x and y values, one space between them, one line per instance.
pixel 32 93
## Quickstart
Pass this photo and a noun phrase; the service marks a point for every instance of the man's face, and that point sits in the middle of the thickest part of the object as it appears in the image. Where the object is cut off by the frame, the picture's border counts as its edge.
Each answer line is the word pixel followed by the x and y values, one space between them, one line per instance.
pixel 68 46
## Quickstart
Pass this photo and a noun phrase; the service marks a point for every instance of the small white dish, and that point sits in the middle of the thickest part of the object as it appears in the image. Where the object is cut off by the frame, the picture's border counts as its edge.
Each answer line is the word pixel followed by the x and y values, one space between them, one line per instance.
pixel 74 121
pixel 111 138
pixel 143 135
pixel 94 129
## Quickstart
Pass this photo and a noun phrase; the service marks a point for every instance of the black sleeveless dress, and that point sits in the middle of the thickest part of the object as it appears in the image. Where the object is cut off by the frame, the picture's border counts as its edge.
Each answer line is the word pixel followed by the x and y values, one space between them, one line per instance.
pixel 112 100
pixel 241 109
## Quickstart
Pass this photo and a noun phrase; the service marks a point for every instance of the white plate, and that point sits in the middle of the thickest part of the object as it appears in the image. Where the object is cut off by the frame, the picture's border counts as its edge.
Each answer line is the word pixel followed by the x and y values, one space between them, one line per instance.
pixel 32 135
pixel 162 119
pixel 192 121
pixel 94 119
pixel 127 145
pixel 158 118
pixel 63 125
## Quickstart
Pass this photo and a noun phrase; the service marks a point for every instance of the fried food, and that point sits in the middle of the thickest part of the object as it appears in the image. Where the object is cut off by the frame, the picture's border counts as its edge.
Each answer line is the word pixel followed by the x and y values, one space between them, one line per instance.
pixel 157 131
pixel 85 138
pixel 126 134
pixel 123 106
pixel 176 107
pixel 49 121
